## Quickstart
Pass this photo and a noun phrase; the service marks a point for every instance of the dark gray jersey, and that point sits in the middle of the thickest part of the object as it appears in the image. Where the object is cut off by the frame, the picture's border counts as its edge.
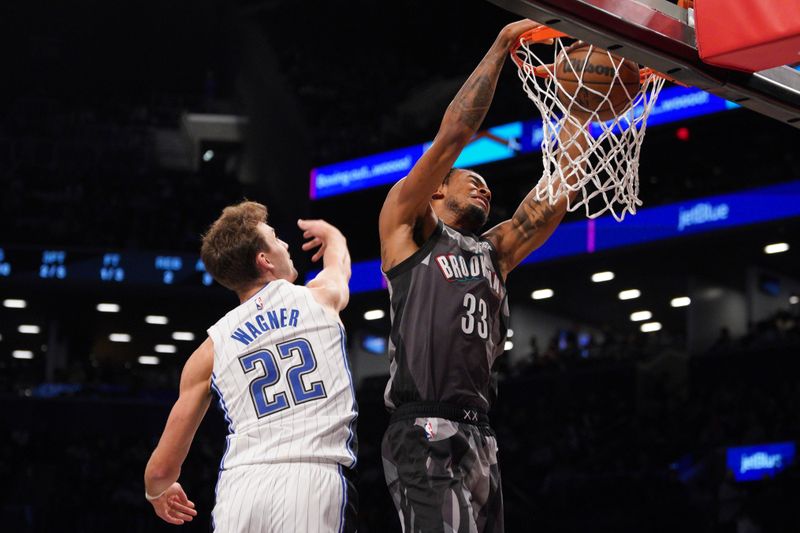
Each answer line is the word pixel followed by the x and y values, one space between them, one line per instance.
pixel 449 321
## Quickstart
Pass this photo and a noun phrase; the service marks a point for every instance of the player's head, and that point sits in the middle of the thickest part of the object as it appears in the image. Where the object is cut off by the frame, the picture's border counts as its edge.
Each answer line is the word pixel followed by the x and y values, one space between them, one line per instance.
pixel 241 251
pixel 467 198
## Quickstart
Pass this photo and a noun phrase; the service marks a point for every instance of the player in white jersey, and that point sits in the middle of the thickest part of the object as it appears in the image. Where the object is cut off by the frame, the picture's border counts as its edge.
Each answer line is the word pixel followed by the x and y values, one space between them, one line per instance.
pixel 279 367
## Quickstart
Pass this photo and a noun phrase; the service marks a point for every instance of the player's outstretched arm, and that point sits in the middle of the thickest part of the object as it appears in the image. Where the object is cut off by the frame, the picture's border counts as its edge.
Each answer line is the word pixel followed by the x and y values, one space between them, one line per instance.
pixel 535 220
pixel 163 469
pixel 408 202
pixel 330 286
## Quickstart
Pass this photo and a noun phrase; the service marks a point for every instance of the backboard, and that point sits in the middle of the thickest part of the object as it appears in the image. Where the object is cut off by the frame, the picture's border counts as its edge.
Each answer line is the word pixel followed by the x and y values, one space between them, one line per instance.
pixel 661 35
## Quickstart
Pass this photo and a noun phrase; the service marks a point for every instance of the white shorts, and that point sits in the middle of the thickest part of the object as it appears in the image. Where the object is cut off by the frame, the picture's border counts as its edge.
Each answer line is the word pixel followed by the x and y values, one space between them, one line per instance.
pixel 281 497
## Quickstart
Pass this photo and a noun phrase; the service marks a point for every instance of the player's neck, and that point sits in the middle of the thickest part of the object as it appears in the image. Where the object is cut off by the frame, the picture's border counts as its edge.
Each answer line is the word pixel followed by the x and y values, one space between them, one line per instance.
pixel 248 293
pixel 454 220
pixel 450 218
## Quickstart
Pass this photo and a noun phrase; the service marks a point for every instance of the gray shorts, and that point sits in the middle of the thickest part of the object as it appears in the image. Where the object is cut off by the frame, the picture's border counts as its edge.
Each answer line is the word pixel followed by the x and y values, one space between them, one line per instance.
pixel 443 475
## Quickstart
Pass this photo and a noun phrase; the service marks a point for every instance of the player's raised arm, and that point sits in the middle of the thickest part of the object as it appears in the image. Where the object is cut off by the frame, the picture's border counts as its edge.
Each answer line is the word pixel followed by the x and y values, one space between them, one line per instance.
pixel 535 220
pixel 331 285
pixel 164 467
pixel 408 203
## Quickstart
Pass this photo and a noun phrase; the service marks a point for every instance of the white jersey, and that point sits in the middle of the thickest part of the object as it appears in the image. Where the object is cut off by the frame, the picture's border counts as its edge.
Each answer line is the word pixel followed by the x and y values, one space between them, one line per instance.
pixel 284 382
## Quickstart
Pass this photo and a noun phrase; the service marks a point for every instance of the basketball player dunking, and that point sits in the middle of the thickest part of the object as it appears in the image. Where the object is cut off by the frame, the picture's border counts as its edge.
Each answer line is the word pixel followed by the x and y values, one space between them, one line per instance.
pixel 278 364
pixel 449 318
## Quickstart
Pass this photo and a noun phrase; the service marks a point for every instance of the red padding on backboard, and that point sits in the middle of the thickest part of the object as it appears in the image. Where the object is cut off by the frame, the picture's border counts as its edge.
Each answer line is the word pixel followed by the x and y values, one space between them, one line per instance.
pixel 748 35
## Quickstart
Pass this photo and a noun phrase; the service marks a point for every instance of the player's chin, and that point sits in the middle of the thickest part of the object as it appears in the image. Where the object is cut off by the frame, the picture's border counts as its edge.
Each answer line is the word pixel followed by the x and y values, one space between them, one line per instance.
pixel 480 204
pixel 475 216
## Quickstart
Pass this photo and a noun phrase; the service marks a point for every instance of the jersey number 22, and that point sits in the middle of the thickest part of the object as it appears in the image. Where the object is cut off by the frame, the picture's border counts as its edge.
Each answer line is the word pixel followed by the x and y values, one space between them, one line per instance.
pixel 294 376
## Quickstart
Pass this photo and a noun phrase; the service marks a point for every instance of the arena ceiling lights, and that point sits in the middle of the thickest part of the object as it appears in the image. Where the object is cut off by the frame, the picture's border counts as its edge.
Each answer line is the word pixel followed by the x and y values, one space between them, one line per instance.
pixel 680 301
pixel 629 294
pixel 374 314
pixel 600 277
pixel 639 316
pixel 650 327
pixel 542 294
pixel 776 248
pixel 166 348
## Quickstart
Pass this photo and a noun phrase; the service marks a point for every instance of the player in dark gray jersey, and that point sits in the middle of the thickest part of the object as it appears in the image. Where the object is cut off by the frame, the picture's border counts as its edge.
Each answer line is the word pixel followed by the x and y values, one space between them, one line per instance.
pixel 449 320
pixel 450 316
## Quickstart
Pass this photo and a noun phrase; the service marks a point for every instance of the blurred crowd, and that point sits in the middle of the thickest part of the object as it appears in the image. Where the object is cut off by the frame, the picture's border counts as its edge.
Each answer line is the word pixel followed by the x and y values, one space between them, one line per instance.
pixel 600 443
pixel 575 347
pixel 56 160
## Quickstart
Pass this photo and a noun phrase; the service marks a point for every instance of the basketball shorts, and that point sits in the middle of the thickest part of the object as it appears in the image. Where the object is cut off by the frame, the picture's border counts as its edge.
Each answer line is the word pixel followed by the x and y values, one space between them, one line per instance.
pixel 283 497
pixel 442 473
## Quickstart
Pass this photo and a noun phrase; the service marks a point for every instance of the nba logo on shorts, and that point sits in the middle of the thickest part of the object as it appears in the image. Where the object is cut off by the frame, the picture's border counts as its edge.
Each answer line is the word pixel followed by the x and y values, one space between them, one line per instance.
pixel 430 432
pixel 259 303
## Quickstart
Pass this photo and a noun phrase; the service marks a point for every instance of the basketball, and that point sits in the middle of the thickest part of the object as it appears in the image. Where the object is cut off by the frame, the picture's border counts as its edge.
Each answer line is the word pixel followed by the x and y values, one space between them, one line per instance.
pixel 587 76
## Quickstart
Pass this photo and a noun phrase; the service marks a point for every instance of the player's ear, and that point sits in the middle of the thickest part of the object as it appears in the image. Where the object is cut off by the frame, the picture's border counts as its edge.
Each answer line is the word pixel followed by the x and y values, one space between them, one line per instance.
pixel 439 193
pixel 263 263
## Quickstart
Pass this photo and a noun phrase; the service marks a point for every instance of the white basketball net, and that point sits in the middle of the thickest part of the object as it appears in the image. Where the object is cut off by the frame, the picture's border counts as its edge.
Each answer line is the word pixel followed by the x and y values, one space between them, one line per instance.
pixel 604 174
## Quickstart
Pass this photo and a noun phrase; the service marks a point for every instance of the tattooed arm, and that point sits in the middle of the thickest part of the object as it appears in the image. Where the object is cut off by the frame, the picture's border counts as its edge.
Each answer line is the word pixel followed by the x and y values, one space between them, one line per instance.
pixel 406 218
pixel 535 220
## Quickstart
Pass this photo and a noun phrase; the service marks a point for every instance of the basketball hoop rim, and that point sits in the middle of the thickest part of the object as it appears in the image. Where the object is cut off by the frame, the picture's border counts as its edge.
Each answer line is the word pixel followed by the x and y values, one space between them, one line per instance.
pixel 537 35
pixel 542 33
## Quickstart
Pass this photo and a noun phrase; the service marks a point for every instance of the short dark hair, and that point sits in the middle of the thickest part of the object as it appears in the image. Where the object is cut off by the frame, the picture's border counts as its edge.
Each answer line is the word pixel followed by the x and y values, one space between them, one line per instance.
pixel 230 246
pixel 453 171
pixel 449 173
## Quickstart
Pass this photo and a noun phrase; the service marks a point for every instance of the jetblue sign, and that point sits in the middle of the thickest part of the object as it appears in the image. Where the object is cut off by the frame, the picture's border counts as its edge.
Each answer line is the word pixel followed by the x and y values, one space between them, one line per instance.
pixel 751 463
pixel 753 206
pixel 702 213
pixel 773 202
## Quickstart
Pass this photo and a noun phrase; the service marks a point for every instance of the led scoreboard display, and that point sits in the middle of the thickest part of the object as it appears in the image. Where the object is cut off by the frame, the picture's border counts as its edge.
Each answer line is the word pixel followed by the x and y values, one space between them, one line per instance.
pixel 109 267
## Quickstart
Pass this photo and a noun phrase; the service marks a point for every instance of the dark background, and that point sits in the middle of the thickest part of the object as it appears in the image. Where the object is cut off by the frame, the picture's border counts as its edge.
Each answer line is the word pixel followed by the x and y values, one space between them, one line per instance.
pixel 624 433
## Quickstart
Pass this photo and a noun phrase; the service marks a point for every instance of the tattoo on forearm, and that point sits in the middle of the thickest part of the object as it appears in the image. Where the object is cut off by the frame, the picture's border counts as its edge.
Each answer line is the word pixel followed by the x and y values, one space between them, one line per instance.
pixel 474 99
pixel 531 216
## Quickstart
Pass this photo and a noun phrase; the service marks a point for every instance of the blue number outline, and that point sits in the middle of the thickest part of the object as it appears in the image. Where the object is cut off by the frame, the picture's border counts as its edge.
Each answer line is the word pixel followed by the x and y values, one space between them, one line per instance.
pixel 294 375
pixel 259 385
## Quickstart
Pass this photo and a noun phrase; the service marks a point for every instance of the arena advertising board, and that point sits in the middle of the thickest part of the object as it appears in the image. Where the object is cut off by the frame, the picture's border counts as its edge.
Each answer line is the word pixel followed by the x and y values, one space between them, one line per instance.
pixel 752 463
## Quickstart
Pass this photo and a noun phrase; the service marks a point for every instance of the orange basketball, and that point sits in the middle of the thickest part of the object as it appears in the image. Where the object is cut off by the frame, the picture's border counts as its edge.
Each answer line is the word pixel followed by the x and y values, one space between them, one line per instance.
pixel 609 82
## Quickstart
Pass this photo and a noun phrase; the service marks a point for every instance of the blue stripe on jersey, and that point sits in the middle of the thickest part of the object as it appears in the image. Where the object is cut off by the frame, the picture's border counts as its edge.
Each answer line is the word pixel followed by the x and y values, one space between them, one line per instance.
pixel 344 500
pixel 353 393
pixel 222 404
pixel 227 442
